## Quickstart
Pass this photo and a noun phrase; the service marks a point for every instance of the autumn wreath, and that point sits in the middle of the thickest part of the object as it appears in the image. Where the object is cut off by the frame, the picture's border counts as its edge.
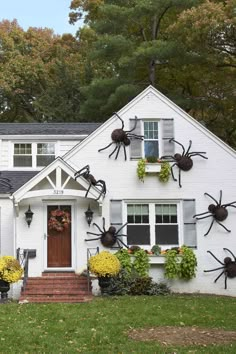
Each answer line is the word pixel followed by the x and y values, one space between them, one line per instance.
pixel 59 220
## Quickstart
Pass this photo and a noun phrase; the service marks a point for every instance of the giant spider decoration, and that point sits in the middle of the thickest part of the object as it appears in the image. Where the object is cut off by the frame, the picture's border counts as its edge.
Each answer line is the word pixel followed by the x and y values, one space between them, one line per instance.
pixel 218 212
pixel 85 172
pixel 229 267
pixel 5 182
pixel 108 237
pixel 121 137
pixel 184 162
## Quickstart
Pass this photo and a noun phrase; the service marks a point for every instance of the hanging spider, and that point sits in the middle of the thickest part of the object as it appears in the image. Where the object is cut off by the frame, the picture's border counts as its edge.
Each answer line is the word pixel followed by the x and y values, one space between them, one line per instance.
pixel 5 182
pixel 218 212
pixel 85 172
pixel 184 162
pixel 121 137
pixel 229 267
pixel 108 237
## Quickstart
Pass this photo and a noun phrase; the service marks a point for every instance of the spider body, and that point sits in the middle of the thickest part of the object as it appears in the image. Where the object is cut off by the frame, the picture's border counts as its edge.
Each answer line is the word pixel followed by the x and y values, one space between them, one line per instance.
pixel 108 237
pixel 121 137
pixel 217 211
pixel 100 184
pixel 183 161
pixel 228 266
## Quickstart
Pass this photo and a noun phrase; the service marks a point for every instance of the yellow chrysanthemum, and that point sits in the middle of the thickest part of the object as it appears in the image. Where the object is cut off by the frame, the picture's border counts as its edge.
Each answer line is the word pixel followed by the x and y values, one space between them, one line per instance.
pixel 104 264
pixel 10 269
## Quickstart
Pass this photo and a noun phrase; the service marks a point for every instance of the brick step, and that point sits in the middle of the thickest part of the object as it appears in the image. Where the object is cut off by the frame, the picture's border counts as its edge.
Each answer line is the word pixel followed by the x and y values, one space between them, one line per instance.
pixel 51 291
pixel 56 283
pixel 59 278
pixel 63 298
pixel 58 274
pixel 57 286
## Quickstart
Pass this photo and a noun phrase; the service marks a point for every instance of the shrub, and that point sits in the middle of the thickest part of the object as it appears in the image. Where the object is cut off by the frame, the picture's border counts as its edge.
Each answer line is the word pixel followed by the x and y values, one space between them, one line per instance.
pixel 10 269
pixel 104 264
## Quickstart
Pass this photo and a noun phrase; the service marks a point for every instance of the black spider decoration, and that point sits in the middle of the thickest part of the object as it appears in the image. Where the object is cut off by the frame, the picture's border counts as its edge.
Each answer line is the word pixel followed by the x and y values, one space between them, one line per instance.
pixel 5 182
pixel 121 137
pixel 229 267
pixel 184 162
pixel 100 184
pixel 218 212
pixel 108 237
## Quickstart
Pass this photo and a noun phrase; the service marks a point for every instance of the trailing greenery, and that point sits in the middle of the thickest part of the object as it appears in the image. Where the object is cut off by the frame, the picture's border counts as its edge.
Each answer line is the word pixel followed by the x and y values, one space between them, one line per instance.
pixel 141 263
pixel 181 265
pixel 151 159
pixel 141 169
pixel 125 260
pixel 164 174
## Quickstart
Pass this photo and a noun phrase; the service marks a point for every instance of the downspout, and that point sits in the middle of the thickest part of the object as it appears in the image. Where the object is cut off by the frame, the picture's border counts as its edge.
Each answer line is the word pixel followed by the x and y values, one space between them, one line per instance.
pixel 15 215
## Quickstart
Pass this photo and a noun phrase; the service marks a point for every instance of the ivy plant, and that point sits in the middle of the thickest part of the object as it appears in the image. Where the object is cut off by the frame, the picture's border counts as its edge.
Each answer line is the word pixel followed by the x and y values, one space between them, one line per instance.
pixel 182 265
pixel 164 174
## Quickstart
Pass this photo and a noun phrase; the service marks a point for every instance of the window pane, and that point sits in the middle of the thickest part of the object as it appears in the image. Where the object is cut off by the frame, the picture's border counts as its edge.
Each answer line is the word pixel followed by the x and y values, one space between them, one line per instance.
pixel 173 219
pixel 22 149
pixel 167 235
pixel 138 209
pixel 46 149
pixel 165 219
pixel 138 219
pixel 44 160
pixel 130 219
pixel 159 219
pixel 151 148
pixel 145 209
pixel 165 209
pixel 130 209
pixel 22 161
pixel 145 219
pixel 138 235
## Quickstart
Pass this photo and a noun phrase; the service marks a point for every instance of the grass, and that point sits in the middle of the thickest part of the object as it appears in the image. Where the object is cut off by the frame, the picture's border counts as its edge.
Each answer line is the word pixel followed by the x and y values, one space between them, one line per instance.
pixel 100 326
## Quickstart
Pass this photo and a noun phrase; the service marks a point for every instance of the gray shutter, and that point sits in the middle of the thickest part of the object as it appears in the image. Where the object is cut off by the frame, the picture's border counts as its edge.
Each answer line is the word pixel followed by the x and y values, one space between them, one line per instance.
pixel 168 149
pixel 116 213
pixel 136 144
pixel 190 234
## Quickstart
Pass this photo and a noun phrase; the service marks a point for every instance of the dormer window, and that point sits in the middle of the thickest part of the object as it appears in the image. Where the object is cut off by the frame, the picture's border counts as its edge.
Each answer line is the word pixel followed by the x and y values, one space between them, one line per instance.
pixel 151 139
pixel 33 154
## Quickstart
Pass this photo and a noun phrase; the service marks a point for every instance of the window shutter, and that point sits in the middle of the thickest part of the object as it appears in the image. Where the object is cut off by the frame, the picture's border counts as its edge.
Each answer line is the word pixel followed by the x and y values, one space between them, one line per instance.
pixel 116 213
pixel 190 235
pixel 168 149
pixel 136 144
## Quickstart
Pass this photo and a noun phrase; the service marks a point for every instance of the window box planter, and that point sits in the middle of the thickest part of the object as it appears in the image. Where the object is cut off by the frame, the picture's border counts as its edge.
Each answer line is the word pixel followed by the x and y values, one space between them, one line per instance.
pixel 152 167
pixel 156 259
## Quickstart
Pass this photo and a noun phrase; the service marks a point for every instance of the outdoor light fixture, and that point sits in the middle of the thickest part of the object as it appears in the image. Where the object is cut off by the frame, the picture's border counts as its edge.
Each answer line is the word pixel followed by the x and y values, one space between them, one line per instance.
pixel 29 216
pixel 89 215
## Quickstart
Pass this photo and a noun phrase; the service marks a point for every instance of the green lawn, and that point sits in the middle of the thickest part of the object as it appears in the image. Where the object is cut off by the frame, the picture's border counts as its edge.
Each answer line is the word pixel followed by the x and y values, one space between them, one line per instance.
pixel 100 326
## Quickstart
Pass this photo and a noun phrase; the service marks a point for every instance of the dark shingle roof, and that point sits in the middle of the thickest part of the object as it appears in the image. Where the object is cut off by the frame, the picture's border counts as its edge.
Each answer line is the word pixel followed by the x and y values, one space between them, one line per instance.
pixel 16 179
pixel 48 128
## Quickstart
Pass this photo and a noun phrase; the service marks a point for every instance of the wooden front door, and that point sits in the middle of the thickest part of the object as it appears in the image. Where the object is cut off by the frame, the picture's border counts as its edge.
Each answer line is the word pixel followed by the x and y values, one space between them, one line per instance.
pixel 59 236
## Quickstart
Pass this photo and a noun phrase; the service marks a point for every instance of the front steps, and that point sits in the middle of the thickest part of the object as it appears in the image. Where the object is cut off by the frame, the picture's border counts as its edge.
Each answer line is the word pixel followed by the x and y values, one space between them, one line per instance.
pixel 57 287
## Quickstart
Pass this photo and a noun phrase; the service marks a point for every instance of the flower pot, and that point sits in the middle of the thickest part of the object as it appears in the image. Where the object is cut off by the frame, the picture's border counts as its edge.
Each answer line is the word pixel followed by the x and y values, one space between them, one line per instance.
pixel 104 282
pixel 4 288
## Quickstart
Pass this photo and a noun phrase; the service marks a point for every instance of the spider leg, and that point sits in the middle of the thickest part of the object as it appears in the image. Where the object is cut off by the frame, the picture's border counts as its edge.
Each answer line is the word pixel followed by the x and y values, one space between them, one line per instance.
pixel 131 135
pixel 206 212
pixel 223 226
pixel 219 276
pixel 226 249
pixel 92 239
pixel 92 233
pixel 178 144
pixel 135 124
pixel 82 171
pixel 216 258
pixel 180 178
pixel 5 183
pixel 212 198
pixel 172 173
pixel 168 157
pixel 212 270
pixel 122 243
pixel 204 217
pixel 210 228
pixel 106 147
pixel 118 243
pixel 114 151
pixel 220 200
pixel 118 150
pixel 102 184
pixel 121 228
pixel 90 185
pixel 229 205
pixel 190 144
pixel 197 154
pixel 120 120
pixel 98 227
pixel 125 152
pixel 103 224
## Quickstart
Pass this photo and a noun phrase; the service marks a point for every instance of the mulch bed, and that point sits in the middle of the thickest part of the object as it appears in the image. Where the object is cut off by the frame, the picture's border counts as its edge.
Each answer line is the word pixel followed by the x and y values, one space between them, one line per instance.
pixel 183 336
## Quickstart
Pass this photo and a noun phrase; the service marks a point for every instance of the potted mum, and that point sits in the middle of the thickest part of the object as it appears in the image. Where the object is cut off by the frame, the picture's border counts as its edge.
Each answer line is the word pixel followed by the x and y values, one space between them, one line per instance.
pixel 10 272
pixel 104 265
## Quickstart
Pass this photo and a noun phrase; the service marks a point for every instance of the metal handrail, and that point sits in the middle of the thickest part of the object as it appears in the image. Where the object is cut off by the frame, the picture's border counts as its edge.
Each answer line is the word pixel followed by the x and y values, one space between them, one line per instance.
pixel 23 256
pixel 90 252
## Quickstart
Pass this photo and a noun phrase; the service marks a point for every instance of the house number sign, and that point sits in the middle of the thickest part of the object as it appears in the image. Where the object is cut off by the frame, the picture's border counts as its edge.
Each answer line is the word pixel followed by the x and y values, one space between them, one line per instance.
pixel 58 191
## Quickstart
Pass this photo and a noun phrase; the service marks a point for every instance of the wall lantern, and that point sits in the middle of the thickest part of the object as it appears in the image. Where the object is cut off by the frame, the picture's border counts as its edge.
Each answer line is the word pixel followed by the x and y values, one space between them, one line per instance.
pixel 89 215
pixel 29 216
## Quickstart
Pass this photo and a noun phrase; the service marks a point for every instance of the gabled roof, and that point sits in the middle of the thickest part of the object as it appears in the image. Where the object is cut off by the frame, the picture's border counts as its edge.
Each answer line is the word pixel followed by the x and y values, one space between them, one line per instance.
pixel 151 90
pixel 16 179
pixel 48 128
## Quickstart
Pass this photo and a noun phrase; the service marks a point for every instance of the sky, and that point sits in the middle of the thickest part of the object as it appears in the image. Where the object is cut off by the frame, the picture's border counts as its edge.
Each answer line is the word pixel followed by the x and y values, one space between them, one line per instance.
pixel 39 13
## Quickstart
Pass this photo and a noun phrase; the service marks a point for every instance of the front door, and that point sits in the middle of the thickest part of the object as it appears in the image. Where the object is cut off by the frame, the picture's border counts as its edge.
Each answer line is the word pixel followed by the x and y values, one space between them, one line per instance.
pixel 59 236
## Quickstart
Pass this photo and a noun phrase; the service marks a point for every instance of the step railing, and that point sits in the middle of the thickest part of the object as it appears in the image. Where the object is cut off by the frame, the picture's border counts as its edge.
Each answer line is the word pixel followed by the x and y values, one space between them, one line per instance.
pixel 23 256
pixel 90 252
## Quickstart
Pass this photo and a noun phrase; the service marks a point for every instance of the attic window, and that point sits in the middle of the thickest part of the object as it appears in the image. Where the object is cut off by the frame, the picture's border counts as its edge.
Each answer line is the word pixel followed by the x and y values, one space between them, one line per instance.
pixel 33 154
pixel 22 155
pixel 151 139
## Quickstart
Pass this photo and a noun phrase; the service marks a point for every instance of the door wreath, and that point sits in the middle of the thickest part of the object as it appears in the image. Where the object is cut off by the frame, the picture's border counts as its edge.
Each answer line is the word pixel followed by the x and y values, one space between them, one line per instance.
pixel 59 220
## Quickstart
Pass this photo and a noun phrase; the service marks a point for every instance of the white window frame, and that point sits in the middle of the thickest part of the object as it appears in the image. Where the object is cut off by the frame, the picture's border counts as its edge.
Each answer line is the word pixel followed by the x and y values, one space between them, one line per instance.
pixel 159 122
pixel 33 153
pixel 152 220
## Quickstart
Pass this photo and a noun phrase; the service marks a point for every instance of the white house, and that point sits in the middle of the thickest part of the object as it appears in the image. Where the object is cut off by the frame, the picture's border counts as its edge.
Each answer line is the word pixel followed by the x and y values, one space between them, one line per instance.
pixel 156 212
